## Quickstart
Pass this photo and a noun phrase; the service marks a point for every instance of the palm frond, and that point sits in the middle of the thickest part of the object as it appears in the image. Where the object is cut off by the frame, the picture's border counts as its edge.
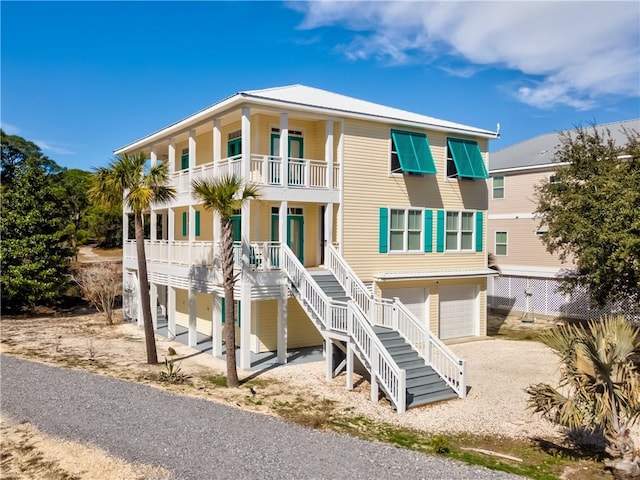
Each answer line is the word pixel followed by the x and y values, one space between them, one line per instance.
pixel 223 194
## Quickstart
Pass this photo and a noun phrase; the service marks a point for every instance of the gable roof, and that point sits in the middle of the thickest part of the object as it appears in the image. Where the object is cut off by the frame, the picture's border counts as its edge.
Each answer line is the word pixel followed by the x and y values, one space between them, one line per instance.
pixel 304 98
pixel 539 151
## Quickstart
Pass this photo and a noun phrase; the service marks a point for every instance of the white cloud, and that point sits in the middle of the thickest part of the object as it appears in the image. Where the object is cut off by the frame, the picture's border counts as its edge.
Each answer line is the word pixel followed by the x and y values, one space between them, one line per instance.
pixel 10 129
pixel 570 53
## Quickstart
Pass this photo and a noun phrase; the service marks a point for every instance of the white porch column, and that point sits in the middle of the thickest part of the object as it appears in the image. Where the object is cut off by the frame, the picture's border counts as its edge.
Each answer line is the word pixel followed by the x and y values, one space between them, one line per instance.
pixel 193 334
pixel 140 320
pixel 328 358
pixel 154 304
pixel 245 279
pixel 282 323
pixel 341 163
pixel 171 231
pixel 328 229
pixel 217 149
pixel 153 155
pixel 349 365
pixel 328 152
pixel 216 334
pixel 172 156
pixel 171 312
pixel 192 152
pixel 283 224
pixel 284 149
pixel 153 223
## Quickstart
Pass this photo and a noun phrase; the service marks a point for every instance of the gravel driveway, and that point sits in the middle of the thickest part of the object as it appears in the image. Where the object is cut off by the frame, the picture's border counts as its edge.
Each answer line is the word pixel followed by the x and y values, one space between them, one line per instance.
pixel 197 439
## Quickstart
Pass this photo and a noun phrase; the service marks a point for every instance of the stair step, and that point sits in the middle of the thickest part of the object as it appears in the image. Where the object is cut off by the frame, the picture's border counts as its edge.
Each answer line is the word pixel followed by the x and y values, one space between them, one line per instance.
pixel 399 349
pixel 423 380
pixel 393 342
pixel 426 389
pixel 431 398
pixel 407 357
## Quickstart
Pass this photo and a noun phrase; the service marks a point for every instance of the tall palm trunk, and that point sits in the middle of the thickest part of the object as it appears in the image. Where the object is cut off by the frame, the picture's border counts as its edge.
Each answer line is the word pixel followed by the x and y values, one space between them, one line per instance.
pixel 228 282
pixel 145 299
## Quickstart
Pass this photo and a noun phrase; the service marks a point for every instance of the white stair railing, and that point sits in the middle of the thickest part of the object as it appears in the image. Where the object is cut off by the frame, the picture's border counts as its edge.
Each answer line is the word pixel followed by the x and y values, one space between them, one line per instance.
pixel 395 315
pixel 349 319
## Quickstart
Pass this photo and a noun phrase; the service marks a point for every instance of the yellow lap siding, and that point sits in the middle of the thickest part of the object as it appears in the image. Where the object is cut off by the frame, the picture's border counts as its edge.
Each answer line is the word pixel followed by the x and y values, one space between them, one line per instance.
pixel 182 307
pixel 204 313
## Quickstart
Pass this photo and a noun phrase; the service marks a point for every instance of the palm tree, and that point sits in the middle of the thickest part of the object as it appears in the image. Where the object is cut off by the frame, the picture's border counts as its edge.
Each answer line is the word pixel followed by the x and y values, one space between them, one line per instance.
pixel 599 387
pixel 141 185
pixel 224 195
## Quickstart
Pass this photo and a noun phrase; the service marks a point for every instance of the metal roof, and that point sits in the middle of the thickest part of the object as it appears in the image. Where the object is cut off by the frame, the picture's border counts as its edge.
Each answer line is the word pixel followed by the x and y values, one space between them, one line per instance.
pixel 540 150
pixel 324 102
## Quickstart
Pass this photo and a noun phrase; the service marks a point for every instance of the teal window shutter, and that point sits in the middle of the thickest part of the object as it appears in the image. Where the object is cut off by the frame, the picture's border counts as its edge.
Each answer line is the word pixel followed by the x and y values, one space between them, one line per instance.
pixel 239 312
pixel 383 244
pixel 440 231
pixel 197 223
pixel 223 310
pixel 413 152
pixel 184 161
pixel 185 224
pixel 467 158
pixel 428 231
pixel 479 231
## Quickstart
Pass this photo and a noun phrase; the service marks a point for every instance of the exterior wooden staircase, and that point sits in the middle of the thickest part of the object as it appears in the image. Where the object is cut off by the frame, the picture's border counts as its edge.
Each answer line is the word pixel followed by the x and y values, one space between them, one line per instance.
pixel 406 361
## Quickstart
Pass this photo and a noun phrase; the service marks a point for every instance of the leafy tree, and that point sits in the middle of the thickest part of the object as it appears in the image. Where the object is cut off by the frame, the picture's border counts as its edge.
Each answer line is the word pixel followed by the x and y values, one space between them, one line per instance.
pixel 76 184
pixel 224 195
pixel 130 179
pixel 104 225
pixel 34 250
pixel 592 213
pixel 599 387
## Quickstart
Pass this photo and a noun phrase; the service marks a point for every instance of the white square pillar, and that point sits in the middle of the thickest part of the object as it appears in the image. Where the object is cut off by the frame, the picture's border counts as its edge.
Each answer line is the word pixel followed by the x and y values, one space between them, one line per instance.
pixel 283 300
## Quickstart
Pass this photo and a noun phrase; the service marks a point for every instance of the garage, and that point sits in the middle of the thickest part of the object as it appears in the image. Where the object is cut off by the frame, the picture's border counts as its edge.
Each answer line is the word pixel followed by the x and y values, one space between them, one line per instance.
pixel 415 299
pixel 459 312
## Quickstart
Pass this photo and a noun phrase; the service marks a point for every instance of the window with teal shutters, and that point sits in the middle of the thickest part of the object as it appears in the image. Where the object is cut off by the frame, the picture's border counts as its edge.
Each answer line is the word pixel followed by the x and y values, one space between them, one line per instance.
pixel 464 159
pixel 184 161
pixel 478 231
pixel 238 307
pixel 383 242
pixel 224 313
pixel 428 231
pixel 410 153
pixel 440 231
pixel 197 223
pixel 185 224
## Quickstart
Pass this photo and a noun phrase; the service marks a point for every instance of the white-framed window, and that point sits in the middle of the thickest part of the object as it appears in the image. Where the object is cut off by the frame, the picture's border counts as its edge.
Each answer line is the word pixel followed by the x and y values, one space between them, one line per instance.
pixel 553 178
pixel 405 230
pixel 498 187
pixel 501 243
pixel 459 231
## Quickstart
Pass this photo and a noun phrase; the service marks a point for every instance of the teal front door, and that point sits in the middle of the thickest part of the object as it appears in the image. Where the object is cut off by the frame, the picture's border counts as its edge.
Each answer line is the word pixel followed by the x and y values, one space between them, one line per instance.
pixel 295 233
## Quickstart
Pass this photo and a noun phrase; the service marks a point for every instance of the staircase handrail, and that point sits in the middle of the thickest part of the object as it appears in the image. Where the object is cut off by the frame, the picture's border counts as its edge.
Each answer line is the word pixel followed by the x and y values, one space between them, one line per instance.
pixel 382 365
pixel 331 313
pixel 440 357
pixel 429 346
pixel 350 282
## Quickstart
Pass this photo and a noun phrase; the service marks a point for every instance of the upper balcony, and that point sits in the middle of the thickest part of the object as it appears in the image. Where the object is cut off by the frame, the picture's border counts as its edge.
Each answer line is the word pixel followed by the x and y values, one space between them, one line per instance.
pixel 304 175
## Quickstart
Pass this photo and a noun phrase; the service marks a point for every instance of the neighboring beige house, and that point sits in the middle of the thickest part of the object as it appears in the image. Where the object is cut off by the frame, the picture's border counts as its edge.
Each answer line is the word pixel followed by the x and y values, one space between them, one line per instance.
pixel 528 285
pixel 383 212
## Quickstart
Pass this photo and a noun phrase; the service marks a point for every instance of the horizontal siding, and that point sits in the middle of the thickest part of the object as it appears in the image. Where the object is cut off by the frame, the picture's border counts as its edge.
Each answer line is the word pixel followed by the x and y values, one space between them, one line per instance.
pixel 301 332
pixel 368 186
pixel 519 193
pixel 524 247
pixel 182 307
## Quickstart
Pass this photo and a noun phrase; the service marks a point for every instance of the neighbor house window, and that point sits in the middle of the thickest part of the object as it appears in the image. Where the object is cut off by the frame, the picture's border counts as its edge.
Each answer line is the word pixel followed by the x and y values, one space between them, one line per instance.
pixel 501 243
pixel 553 179
pixel 498 187
pixel 405 230
pixel 410 153
pixel 459 231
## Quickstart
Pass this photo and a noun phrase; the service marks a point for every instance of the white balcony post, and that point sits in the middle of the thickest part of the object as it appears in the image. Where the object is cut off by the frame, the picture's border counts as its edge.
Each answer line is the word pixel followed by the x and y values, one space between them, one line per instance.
pixel 154 304
pixel 328 153
pixel 341 163
pixel 171 231
pixel 172 156
pixel 192 339
pixel 283 224
pixel 216 340
pixel 246 143
pixel 284 149
pixel 328 230
pixel 328 361
pixel 349 365
pixel 140 320
pixel 171 312
pixel 153 223
pixel 217 148
pixel 153 156
pixel 282 323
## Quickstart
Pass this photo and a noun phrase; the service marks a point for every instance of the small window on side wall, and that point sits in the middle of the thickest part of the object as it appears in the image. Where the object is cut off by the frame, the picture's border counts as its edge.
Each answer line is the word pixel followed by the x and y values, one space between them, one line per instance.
pixel 498 188
pixel 501 243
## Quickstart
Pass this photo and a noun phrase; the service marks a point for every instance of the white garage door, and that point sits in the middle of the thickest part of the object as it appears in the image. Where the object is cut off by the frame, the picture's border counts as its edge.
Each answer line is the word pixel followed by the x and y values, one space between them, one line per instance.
pixel 415 299
pixel 458 311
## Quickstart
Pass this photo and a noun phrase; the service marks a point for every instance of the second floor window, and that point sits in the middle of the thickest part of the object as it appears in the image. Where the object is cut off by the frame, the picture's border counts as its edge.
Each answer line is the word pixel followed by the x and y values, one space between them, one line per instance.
pixel 501 243
pixel 184 159
pixel 459 233
pixel 498 187
pixel 405 230
pixel 410 153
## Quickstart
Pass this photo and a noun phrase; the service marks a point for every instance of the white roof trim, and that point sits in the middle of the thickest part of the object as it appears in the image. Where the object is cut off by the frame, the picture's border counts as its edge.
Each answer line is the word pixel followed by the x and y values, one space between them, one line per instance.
pixel 481 272
pixel 530 271
pixel 546 166
pixel 300 97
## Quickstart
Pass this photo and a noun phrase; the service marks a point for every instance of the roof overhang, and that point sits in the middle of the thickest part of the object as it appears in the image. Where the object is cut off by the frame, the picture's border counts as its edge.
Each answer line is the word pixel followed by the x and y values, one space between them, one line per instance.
pixel 529 168
pixel 435 274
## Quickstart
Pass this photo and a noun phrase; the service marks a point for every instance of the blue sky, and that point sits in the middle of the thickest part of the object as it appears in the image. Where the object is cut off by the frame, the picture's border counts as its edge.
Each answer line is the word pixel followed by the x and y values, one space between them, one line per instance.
pixel 81 79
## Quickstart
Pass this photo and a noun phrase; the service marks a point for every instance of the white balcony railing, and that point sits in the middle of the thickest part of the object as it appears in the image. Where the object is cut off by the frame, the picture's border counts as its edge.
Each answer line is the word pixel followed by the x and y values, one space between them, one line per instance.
pixel 264 170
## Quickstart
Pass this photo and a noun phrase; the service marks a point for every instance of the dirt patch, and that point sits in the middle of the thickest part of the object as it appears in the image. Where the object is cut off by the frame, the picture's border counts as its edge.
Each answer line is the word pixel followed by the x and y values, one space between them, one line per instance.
pixel 28 453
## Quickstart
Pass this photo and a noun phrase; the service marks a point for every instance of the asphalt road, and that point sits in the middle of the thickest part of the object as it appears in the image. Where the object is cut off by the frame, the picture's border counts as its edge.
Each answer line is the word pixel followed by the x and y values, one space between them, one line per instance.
pixel 197 439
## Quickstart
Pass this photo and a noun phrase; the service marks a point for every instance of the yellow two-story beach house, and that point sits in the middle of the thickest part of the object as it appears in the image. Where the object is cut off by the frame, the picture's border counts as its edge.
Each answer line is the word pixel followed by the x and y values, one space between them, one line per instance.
pixel 368 236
